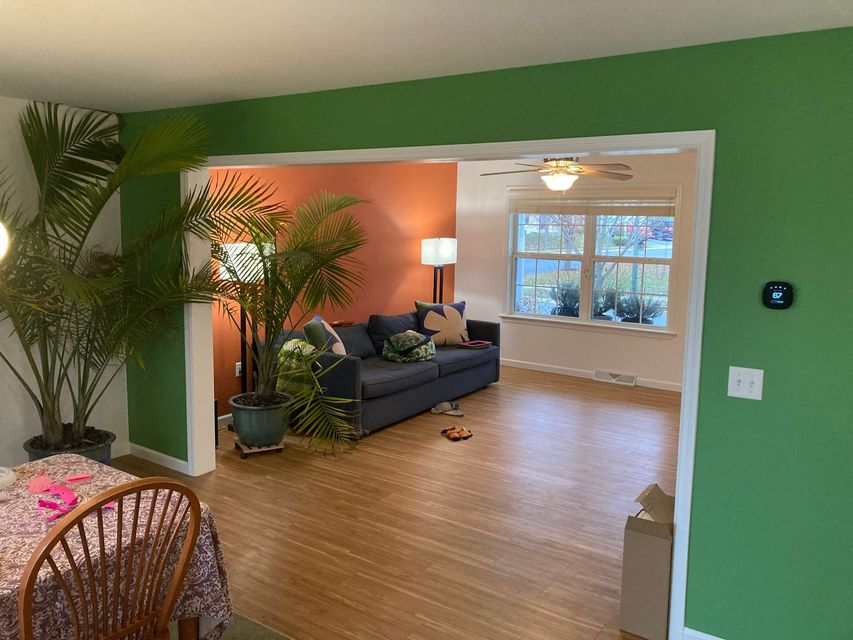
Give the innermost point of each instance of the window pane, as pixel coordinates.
(656, 279)
(603, 303)
(547, 273)
(549, 238)
(608, 235)
(545, 300)
(525, 300)
(573, 238)
(629, 307)
(566, 301)
(570, 273)
(525, 271)
(654, 310)
(566, 296)
(604, 275)
(629, 277)
(528, 237)
(659, 243)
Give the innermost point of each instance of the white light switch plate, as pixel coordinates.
(746, 383)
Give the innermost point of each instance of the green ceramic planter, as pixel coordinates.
(259, 426)
(99, 452)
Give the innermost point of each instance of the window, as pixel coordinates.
(602, 260)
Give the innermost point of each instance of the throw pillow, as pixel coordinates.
(409, 346)
(290, 360)
(381, 328)
(444, 323)
(322, 336)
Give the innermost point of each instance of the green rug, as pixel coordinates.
(242, 628)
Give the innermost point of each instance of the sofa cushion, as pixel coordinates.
(379, 377)
(453, 359)
(356, 340)
(381, 328)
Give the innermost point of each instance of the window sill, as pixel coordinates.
(589, 325)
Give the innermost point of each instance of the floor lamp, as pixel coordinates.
(438, 252)
(245, 266)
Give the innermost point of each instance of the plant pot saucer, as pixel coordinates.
(246, 450)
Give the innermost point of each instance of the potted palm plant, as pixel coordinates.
(282, 267)
(80, 311)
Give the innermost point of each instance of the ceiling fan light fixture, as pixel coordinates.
(559, 181)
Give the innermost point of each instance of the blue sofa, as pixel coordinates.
(384, 392)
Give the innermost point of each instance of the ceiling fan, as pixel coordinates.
(560, 174)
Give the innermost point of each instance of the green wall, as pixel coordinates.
(156, 395)
(770, 550)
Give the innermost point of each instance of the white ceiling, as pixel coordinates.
(128, 55)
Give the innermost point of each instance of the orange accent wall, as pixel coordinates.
(408, 202)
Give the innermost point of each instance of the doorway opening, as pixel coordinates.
(199, 326)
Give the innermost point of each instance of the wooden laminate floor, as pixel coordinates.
(514, 534)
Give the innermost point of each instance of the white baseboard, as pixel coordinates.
(162, 459)
(120, 448)
(584, 373)
(223, 421)
(690, 634)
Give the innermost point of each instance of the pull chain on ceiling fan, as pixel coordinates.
(560, 174)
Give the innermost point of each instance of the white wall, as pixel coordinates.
(482, 228)
(19, 420)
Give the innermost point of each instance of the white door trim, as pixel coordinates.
(199, 330)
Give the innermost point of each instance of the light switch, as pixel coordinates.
(746, 383)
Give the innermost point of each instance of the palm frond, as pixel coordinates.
(171, 145)
(69, 149)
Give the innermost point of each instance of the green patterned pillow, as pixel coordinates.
(289, 358)
(409, 346)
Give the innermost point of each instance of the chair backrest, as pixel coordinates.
(116, 563)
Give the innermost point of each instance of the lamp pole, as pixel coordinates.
(438, 252)
(244, 380)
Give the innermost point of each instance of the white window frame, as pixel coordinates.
(595, 198)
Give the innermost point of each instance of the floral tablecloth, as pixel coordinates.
(205, 592)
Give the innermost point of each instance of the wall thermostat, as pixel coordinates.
(778, 295)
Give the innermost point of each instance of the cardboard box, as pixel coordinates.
(646, 566)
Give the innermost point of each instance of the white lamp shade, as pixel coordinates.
(4, 241)
(438, 251)
(559, 181)
(244, 262)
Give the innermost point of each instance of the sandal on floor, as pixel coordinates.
(447, 408)
(464, 433)
(452, 434)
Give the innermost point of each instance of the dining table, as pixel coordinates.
(203, 609)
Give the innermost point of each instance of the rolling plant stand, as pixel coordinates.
(246, 450)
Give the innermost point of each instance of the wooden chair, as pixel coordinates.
(134, 597)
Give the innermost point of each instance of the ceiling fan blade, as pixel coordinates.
(615, 165)
(524, 164)
(500, 173)
(595, 173)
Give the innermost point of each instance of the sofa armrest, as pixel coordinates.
(340, 376)
(484, 330)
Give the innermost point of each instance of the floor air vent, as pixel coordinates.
(614, 377)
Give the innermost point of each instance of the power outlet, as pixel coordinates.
(238, 369)
(746, 383)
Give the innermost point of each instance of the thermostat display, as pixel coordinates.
(778, 295)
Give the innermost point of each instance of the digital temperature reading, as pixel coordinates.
(778, 295)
